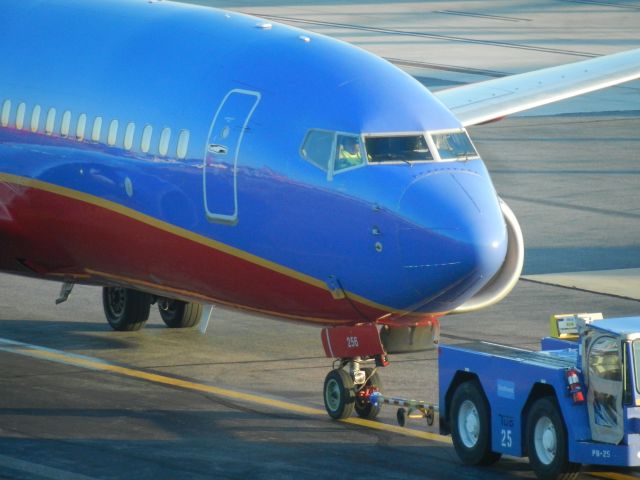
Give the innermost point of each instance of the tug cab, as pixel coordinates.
(610, 357)
(574, 402)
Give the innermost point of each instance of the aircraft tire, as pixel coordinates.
(126, 309)
(471, 425)
(179, 314)
(363, 407)
(546, 439)
(339, 394)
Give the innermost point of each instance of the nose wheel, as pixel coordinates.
(349, 388)
(364, 407)
(339, 394)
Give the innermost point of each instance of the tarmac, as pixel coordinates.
(244, 400)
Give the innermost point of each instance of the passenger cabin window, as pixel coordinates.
(318, 148)
(81, 127)
(65, 125)
(6, 112)
(50, 122)
(128, 136)
(97, 129)
(454, 145)
(146, 139)
(112, 135)
(183, 144)
(20, 113)
(321, 144)
(35, 118)
(165, 137)
(398, 148)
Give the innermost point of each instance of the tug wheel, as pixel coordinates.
(363, 406)
(339, 394)
(470, 425)
(547, 442)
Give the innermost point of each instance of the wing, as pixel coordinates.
(493, 99)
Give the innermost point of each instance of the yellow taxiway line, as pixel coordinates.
(96, 364)
(611, 475)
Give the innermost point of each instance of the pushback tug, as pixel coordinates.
(576, 401)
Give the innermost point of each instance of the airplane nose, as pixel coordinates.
(455, 239)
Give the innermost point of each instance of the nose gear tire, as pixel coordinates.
(363, 406)
(339, 394)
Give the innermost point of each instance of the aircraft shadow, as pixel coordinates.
(64, 335)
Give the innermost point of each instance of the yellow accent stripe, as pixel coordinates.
(180, 232)
(58, 356)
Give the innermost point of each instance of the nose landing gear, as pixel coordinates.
(351, 385)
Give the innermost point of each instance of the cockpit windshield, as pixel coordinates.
(402, 148)
(337, 152)
(454, 145)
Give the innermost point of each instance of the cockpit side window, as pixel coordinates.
(348, 152)
(333, 152)
(318, 148)
(401, 148)
(454, 145)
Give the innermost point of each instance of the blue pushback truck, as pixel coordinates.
(577, 401)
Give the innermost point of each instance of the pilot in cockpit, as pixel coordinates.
(348, 153)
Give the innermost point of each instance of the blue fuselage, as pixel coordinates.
(202, 118)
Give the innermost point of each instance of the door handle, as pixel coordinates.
(219, 149)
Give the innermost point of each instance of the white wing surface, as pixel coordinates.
(493, 99)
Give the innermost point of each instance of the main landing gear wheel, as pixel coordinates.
(179, 314)
(339, 394)
(547, 442)
(470, 425)
(126, 309)
(363, 406)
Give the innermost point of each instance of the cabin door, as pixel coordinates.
(221, 157)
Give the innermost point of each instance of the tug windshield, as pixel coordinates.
(636, 363)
